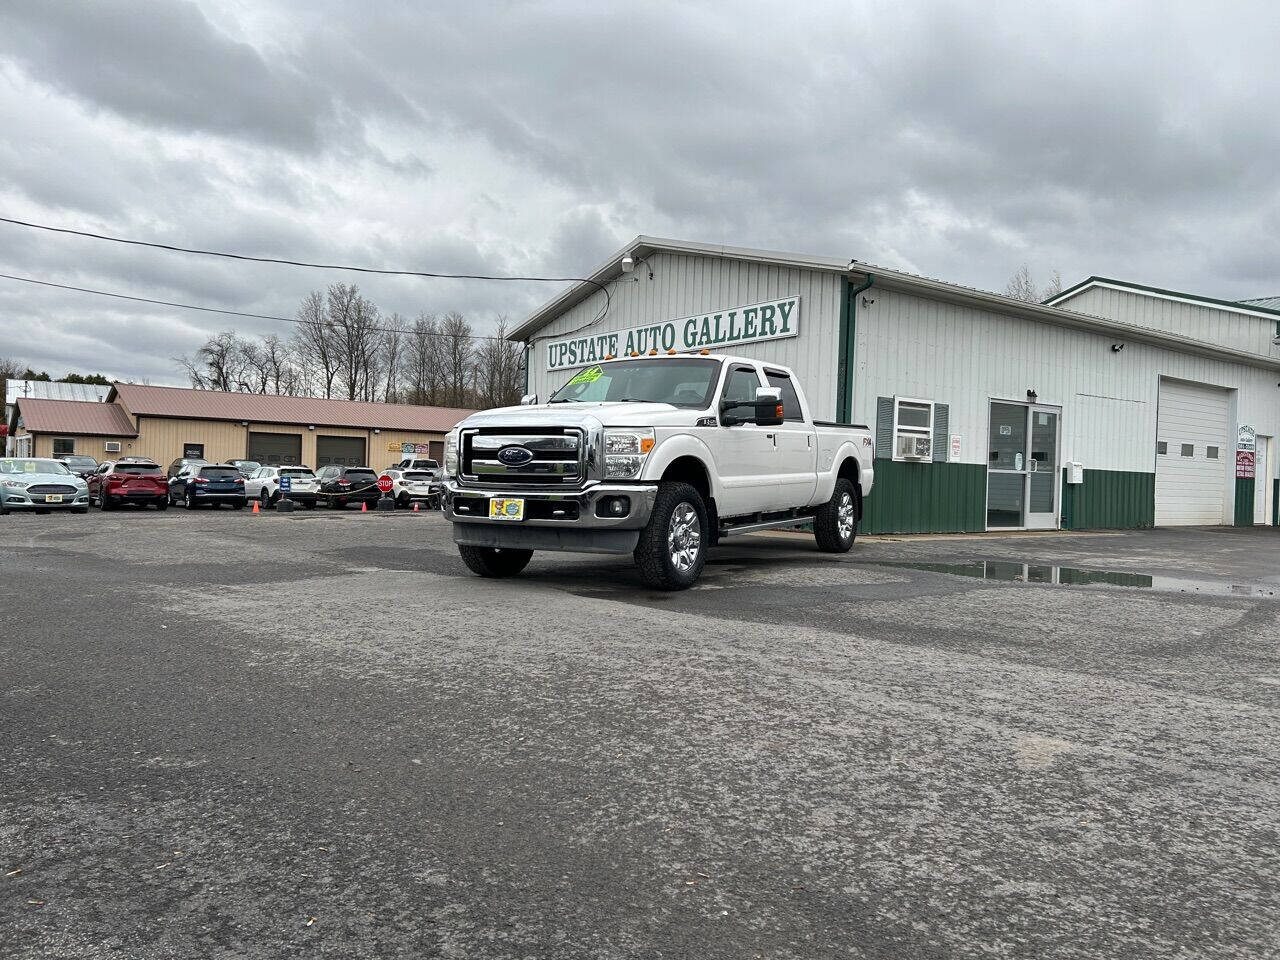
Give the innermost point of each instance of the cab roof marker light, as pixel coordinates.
(653, 351)
(705, 352)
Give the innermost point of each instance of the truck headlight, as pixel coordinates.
(451, 454)
(625, 452)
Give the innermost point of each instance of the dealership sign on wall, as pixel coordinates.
(771, 320)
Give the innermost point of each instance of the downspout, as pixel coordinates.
(848, 347)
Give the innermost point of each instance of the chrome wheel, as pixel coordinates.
(844, 517)
(684, 537)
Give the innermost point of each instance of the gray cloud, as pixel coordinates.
(1127, 139)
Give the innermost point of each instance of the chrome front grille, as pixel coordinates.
(43, 489)
(541, 457)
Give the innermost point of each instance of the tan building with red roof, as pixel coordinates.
(166, 423)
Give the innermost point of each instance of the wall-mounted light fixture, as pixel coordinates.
(244, 423)
(1032, 396)
(376, 431)
(311, 427)
(1117, 347)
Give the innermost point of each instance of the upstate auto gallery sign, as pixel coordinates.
(771, 320)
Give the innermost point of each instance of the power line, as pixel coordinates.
(300, 263)
(231, 313)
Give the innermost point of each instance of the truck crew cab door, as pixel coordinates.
(746, 458)
(797, 453)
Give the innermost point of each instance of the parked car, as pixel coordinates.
(264, 485)
(82, 467)
(129, 481)
(340, 485)
(176, 467)
(246, 467)
(208, 483)
(659, 457)
(30, 483)
(408, 486)
(420, 463)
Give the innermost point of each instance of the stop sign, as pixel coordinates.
(384, 483)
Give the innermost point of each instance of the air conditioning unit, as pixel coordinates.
(112, 446)
(914, 448)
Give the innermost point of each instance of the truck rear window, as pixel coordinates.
(416, 475)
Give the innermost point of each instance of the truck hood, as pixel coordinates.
(578, 414)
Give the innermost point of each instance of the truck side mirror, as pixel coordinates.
(768, 406)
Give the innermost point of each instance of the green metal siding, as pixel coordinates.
(1244, 502)
(926, 498)
(1109, 500)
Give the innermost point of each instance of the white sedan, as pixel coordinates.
(410, 485)
(263, 485)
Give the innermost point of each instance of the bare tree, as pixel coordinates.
(314, 345)
(353, 320)
(392, 348)
(220, 363)
(458, 351)
(1021, 286)
(422, 366)
(497, 376)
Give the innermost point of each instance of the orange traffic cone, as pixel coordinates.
(255, 508)
(415, 506)
(364, 506)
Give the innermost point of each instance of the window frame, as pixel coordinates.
(64, 453)
(1162, 448)
(1192, 454)
(1212, 453)
(800, 414)
(730, 370)
(900, 429)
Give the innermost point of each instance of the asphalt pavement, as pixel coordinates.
(226, 735)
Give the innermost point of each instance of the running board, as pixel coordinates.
(778, 523)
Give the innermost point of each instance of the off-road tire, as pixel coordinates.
(493, 561)
(827, 522)
(653, 554)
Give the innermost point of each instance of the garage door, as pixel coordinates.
(1191, 454)
(348, 451)
(275, 448)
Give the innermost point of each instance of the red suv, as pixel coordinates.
(129, 481)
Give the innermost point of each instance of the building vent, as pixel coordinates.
(112, 446)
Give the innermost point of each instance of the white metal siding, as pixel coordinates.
(685, 285)
(1192, 490)
(1195, 321)
(948, 353)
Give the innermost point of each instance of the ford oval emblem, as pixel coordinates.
(515, 456)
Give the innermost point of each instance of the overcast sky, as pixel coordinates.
(953, 140)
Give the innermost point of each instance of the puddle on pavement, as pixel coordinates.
(1078, 577)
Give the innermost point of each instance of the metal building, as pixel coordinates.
(1116, 405)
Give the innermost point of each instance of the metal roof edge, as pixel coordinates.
(642, 244)
(1234, 306)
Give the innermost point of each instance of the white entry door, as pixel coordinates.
(1192, 450)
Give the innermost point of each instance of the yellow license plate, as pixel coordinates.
(506, 508)
(53, 498)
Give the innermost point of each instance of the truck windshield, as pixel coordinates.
(679, 381)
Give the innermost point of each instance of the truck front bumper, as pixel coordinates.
(572, 520)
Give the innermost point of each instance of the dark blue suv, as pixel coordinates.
(208, 483)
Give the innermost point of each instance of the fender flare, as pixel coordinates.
(675, 447)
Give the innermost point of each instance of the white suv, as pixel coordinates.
(263, 485)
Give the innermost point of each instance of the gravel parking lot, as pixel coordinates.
(318, 736)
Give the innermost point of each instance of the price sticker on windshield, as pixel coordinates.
(589, 375)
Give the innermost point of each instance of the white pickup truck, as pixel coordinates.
(657, 456)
